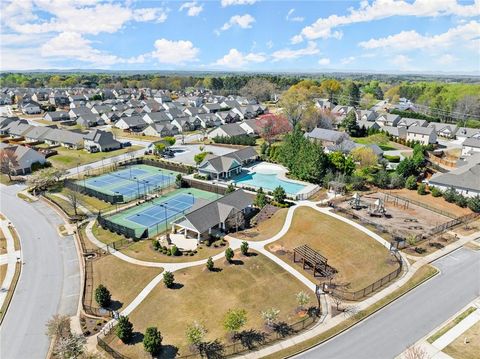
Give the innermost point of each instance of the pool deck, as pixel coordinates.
(281, 172)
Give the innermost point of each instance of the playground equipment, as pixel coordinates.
(397, 201)
(356, 202)
(377, 209)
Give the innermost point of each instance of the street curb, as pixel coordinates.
(360, 321)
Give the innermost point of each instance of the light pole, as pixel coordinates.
(193, 197)
(138, 187)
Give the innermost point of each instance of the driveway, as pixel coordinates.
(390, 331)
(49, 282)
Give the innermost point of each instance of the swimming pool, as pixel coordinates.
(268, 182)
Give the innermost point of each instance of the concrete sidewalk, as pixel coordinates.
(10, 258)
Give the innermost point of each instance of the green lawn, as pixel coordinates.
(451, 324)
(67, 158)
(382, 141)
(205, 296)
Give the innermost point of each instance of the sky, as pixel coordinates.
(434, 36)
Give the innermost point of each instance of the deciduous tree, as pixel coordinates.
(271, 126)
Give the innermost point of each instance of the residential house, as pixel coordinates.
(89, 120)
(228, 116)
(423, 135)
(471, 146)
(326, 137)
(98, 140)
(211, 107)
(446, 130)
(133, 123)
(208, 120)
(5, 99)
(22, 159)
(18, 129)
(395, 132)
(463, 133)
(250, 126)
(37, 133)
(388, 120)
(64, 138)
(366, 115)
(228, 130)
(366, 125)
(323, 104)
(156, 117)
(193, 111)
(79, 111)
(408, 122)
(30, 107)
(56, 116)
(160, 129)
(185, 124)
(464, 179)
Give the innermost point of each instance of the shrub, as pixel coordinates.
(152, 341)
(156, 245)
(103, 296)
(461, 201)
(244, 248)
(393, 159)
(435, 192)
(235, 319)
(210, 264)
(174, 251)
(474, 203)
(229, 254)
(397, 181)
(302, 299)
(411, 183)
(450, 195)
(168, 279)
(422, 189)
(124, 330)
(279, 194)
(195, 333)
(270, 316)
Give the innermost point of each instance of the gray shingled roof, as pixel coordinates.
(465, 177)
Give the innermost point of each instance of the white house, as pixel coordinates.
(423, 135)
(471, 146)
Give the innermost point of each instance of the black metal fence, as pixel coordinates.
(236, 348)
(455, 222)
(390, 197)
(110, 198)
(104, 222)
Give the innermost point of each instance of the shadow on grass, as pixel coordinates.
(236, 262)
(115, 305)
(250, 254)
(167, 352)
(177, 286)
(137, 337)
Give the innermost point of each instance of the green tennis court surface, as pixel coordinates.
(131, 182)
(154, 216)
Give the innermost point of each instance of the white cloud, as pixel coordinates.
(71, 45)
(402, 62)
(288, 53)
(447, 59)
(347, 60)
(269, 44)
(243, 21)
(236, 59)
(381, 9)
(174, 52)
(324, 61)
(84, 17)
(193, 9)
(226, 3)
(412, 40)
(289, 16)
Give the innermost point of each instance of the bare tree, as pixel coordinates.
(350, 311)
(337, 301)
(71, 346)
(8, 159)
(415, 352)
(58, 326)
(73, 199)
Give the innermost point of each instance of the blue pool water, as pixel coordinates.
(268, 182)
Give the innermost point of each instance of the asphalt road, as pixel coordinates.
(391, 330)
(50, 279)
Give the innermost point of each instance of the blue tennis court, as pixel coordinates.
(132, 182)
(160, 212)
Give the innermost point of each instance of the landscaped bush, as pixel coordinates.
(435, 192)
(474, 203)
(450, 195)
(420, 250)
(422, 189)
(235, 140)
(394, 159)
(461, 201)
(411, 183)
(200, 177)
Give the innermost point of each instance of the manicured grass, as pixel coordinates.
(93, 204)
(471, 350)
(24, 197)
(3, 243)
(206, 296)
(3, 273)
(124, 280)
(104, 235)
(386, 146)
(16, 239)
(119, 133)
(451, 324)
(436, 202)
(421, 275)
(359, 259)
(65, 205)
(143, 250)
(265, 229)
(13, 285)
(67, 158)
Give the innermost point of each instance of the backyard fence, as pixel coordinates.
(232, 349)
(359, 294)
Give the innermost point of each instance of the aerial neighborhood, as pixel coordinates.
(240, 179)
